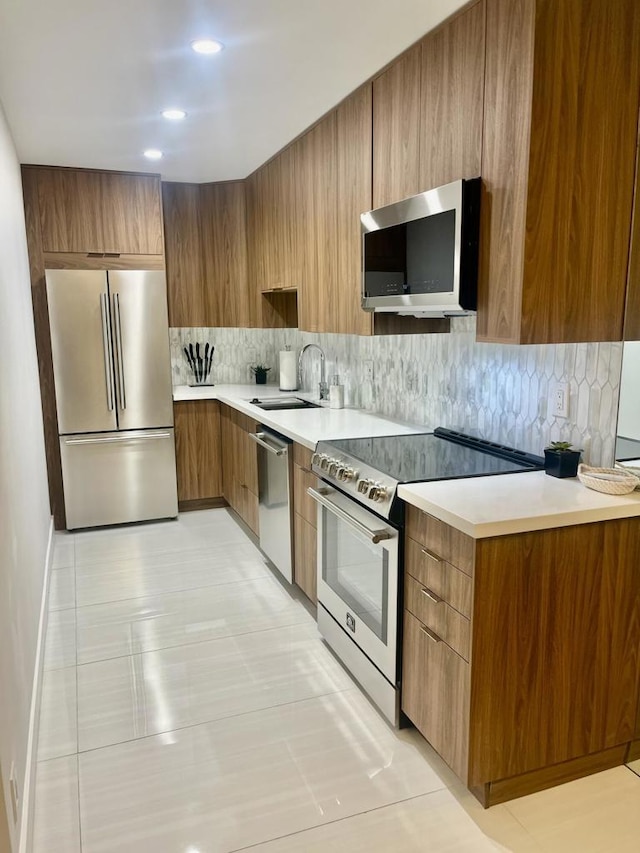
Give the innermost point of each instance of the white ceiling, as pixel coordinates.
(83, 81)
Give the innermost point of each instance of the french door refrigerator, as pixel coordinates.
(112, 370)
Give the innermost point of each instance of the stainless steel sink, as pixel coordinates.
(281, 404)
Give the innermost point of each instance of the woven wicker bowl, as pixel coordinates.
(611, 481)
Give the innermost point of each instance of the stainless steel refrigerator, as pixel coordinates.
(112, 369)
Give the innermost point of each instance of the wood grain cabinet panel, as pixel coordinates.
(198, 449)
(71, 210)
(397, 130)
(559, 148)
(239, 466)
(186, 292)
(303, 504)
(132, 218)
(554, 677)
(435, 693)
(451, 93)
(445, 623)
(89, 211)
(354, 152)
(441, 540)
(223, 235)
(439, 577)
(305, 560)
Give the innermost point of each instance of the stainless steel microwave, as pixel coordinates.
(420, 255)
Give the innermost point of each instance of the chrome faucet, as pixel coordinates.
(323, 388)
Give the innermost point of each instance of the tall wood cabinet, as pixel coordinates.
(520, 652)
(82, 219)
(559, 151)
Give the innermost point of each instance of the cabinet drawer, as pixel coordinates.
(303, 504)
(441, 539)
(454, 586)
(435, 694)
(443, 621)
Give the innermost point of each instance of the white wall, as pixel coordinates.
(24, 498)
(629, 416)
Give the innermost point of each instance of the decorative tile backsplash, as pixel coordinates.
(448, 380)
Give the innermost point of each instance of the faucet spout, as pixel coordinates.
(323, 388)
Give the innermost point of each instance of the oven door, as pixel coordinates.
(358, 575)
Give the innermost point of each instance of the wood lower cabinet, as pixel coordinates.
(549, 687)
(239, 465)
(198, 453)
(305, 521)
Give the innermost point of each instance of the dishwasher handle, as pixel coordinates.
(278, 450)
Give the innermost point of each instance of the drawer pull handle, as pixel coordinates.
(431, 595)
(431, 555)
(433, 637)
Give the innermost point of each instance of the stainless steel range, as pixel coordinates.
(360, 542)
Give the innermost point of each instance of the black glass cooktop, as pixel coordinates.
(442, 455)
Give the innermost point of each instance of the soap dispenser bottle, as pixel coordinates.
(336, 393)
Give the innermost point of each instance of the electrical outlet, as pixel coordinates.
(560, 400)
(368, 370)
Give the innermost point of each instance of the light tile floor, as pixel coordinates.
(189, 706)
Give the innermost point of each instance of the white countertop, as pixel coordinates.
(516, 503)
(306, 426)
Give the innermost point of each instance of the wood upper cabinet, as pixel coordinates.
(451, 100)
(206, 253)
(353, 162)
(549, 688)
(198, 450)
(427, 111)
(87, 211)
(332, 165)
(223, 234)
(559, 149)
(397, 130)
(186, 292)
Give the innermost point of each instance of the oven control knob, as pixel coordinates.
(315, 459)
(363, 486)
(377, 492)
(346, 474)
(333, 467)
(324, 461)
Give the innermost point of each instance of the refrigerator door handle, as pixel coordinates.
(107, 349)
(116, 311)
(115, 438)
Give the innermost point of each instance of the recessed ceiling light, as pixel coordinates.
(206, 46)
(153, 154)
(174, 115)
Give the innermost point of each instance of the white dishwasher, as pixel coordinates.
(274, 497)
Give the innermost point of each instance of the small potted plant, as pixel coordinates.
(561, 460)
(260, 372)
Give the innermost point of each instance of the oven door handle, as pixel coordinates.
(320, 496)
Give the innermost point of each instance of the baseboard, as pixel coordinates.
(25, 837)
(201, 503)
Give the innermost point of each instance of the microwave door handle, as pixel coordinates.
(375, 536)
